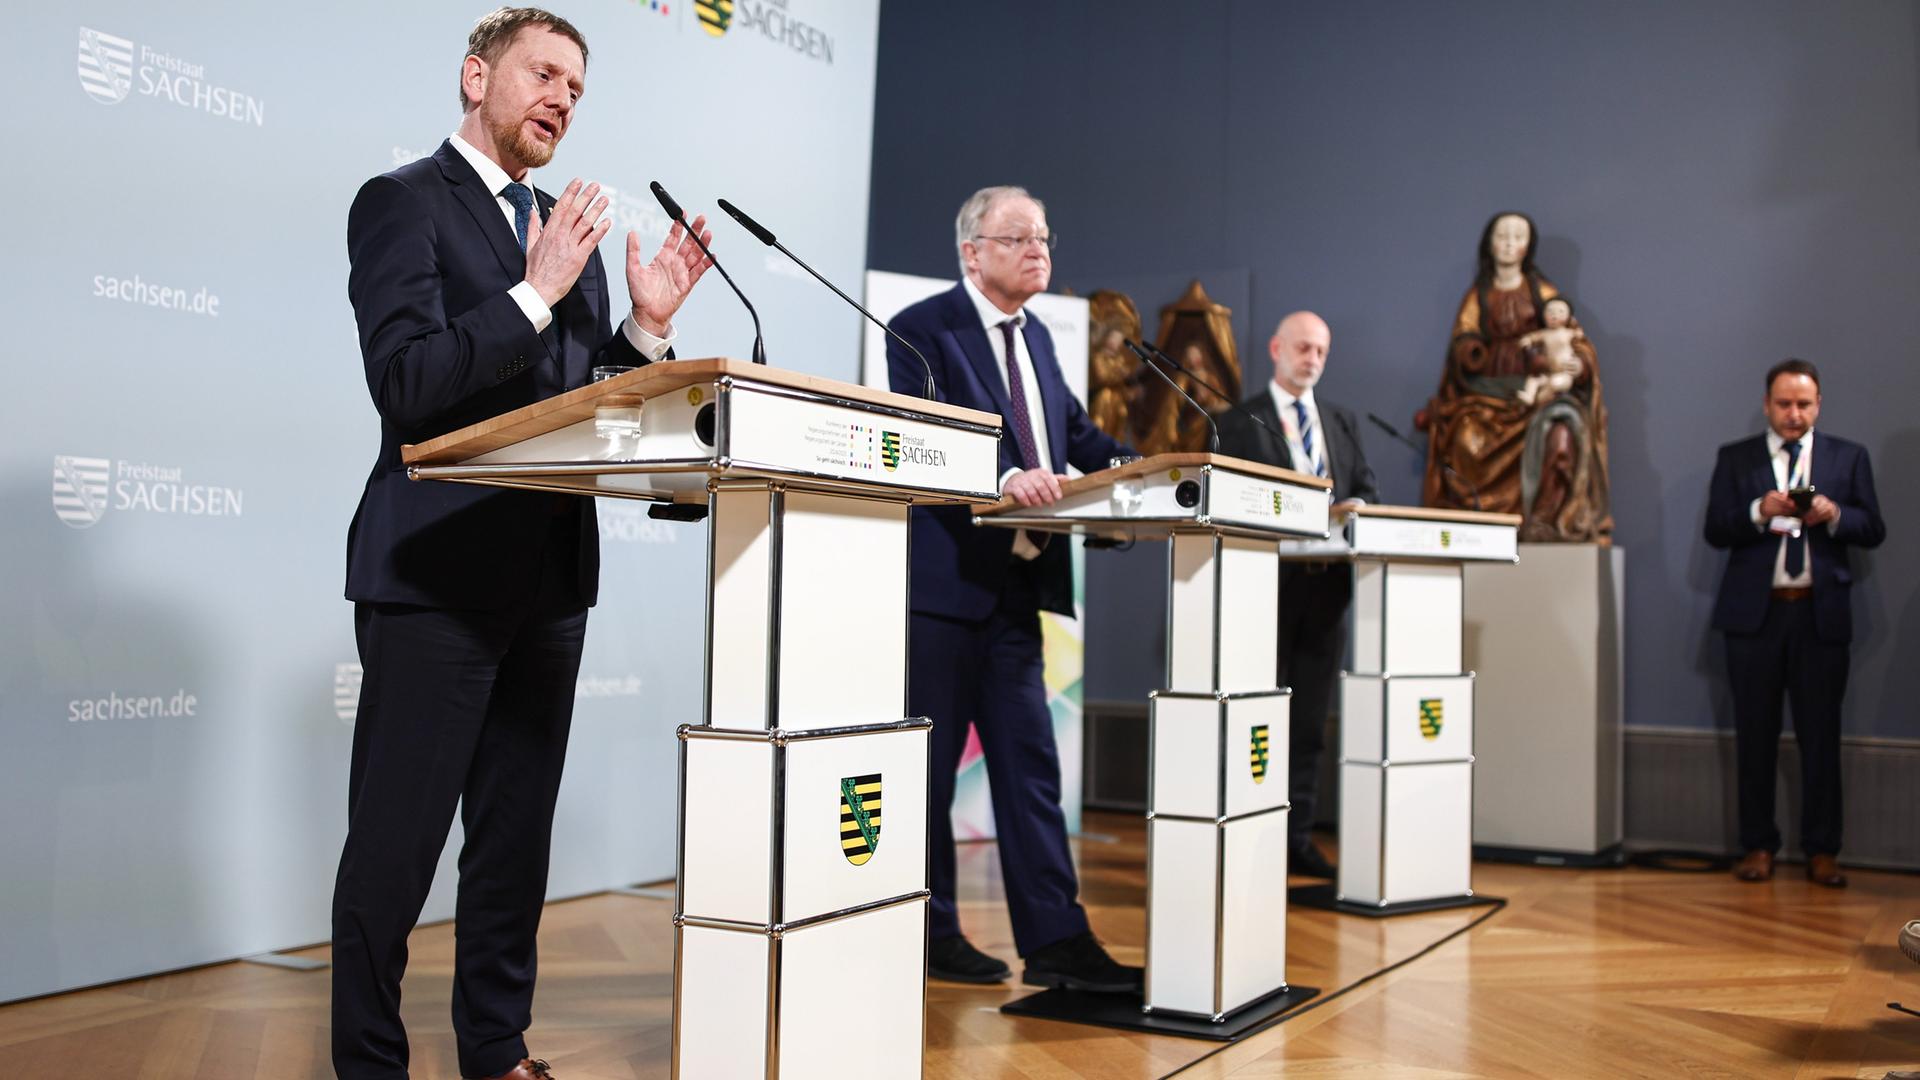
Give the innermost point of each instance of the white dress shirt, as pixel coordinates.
(991, 317)
(1802, 476)
(496, 179)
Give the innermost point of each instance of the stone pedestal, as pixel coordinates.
(1546, 639)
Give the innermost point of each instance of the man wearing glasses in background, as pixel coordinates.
(977, 593)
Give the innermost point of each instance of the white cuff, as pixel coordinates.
(536, 309)
(1008, 475)
(1753, 512)
(653, 348)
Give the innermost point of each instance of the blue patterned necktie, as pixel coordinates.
(1796, 545)
(522, 201)
(1315, 464)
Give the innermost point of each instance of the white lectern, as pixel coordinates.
(1217, 818)
(1406, 707)
(800, 903)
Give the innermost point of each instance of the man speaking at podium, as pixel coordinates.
(977, 593)
(1297, 431)
(1790, 504)
(470, 603)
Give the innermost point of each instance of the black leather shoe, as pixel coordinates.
(1308, 862)
(1079, 963)
(956, 960)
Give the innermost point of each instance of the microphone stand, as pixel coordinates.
(1214, 444)
(1216, 391)
(1438, 459)
(762, 234)
(673, 211)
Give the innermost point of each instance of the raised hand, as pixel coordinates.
(659, 287)
(557, 252)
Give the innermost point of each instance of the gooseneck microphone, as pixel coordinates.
(761, 233)
(1216, 391)
(1417, 448)
(673, 211)
(1214, 443)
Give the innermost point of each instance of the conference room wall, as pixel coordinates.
(1718, 186)
(142, 836)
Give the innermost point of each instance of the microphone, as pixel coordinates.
(673, 211)
(1451, 471)
(1214, 444)
(1205, 385)
(761, 234)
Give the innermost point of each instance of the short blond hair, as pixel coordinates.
(497, 29)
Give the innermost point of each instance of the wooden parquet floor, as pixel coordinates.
(1622, 973)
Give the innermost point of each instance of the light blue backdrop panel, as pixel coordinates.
(188, 428)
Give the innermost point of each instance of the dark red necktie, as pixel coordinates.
(1017, 404)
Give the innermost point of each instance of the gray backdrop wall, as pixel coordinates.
(187, 428)
(1718, 185)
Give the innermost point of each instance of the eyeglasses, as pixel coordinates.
(1050, 241)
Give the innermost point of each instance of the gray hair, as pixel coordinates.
(966, 225)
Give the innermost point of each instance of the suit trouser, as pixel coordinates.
(1786, 659)
(987, 675)
(467, 708)
(1314, 598)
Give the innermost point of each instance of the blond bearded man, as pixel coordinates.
(474, 295)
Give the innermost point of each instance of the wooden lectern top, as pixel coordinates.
(1429, 513)
(656, 380)
(1158, 463)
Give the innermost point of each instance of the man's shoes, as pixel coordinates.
(1910, 940)
(528, 1069)
(1308, 862)
(956, 960)
(1825, 870)
(1757, 866)
(1079, 963)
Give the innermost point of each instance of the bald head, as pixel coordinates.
(1299, 348)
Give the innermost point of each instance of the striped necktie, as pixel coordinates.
(1317, 464)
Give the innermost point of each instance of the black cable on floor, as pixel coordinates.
(1323, 999)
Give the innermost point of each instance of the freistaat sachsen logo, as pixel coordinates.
(890, 450)
(80, 489)
(106, 66)
(859, 817)
(714, 15)
(1432, 717)
(1259, 740)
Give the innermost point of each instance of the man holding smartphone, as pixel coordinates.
(1789, 505)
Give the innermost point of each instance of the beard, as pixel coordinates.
(509, 135)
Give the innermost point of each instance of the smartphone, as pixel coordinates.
(1802, 499)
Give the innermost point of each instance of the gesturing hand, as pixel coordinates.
(557, 252)
(658, 288)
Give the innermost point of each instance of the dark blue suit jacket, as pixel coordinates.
(1743, 473)
(959, 568)
(445, 346)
